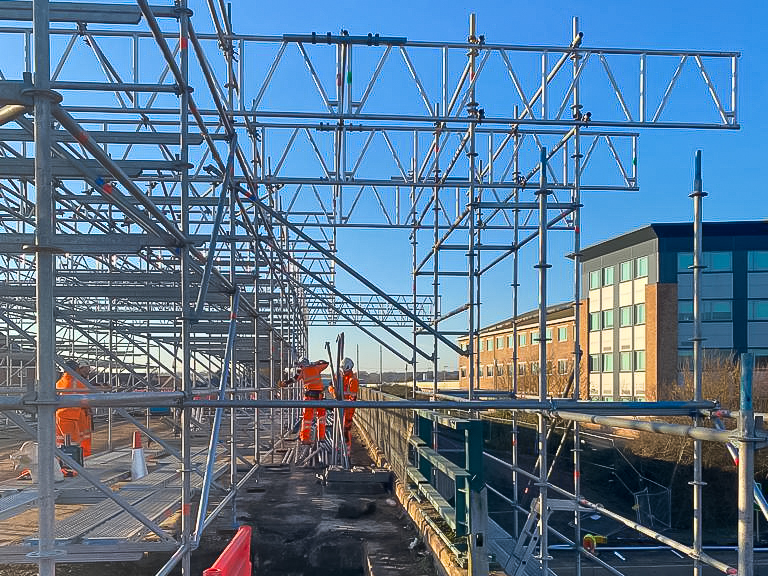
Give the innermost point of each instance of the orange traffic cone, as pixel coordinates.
(138, 463)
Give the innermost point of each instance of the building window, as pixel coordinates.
(625, 361)
(716, 310)
(562, 334)
(594, 321)
(521, 369)
(718, 261)
(625, 271)
(625, 316)
(712, 261)
(607, 319)
(489, 344)
(761, 359)
(711, 311)
(685, 311)
(499, 342)
(594, 362)
(639, 313)
(639, 360)
(757, 310)
(549, 334)
(641, 267)
(594, 280)
(534, 367)
(489, 370)
(684, 261)
(510, 369)
(550, 366)
(521, 339)
(757, 260)
(499, 369)
(562, 367)
(463, 372)
(608, 362)
(534, 337)
(608, 276)
(510, 341)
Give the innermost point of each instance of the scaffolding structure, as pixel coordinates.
(190, 218)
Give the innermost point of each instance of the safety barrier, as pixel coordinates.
(456, 492)
(235, 560)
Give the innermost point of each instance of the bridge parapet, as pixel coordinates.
(455, 491)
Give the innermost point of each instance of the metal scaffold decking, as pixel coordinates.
(189, 224)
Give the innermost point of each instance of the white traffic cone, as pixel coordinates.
(138, 463)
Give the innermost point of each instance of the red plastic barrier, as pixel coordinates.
(236, 558)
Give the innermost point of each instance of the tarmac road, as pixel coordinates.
(648, 562)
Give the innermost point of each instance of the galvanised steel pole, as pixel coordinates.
(515, 265)
(746, 469)
(186, 293)
(233, 252)
(542, 423)
(698, 194)
(45, 218)
(256, 354)
(474, 355)
(576, 199)
(436, 253)
(415, 238)
(515, 348)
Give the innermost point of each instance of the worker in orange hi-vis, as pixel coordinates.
(73, 421)
(350, 387)
(309, 376)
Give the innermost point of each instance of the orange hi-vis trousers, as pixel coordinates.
(76, 423)
(305, 435)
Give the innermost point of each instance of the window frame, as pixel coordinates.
(630, 319)
(560, 331)
(755, 261)
(638, 361)
(753, 306)
(625, 361)
(608, 363)
(638, 320)
(595, 279)
(641, 267)
(625, 271)
(608, 275)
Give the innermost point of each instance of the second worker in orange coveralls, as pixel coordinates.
(350, 387)
(74, 422)
(309, 376)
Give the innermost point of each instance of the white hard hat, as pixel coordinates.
(347, 365)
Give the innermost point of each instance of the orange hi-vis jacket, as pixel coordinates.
(351, 386)
(310, 375)
(68, 384)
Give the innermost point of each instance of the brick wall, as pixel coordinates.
(556, 350)
(661, 340)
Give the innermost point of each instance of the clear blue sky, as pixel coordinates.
(732, 160)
